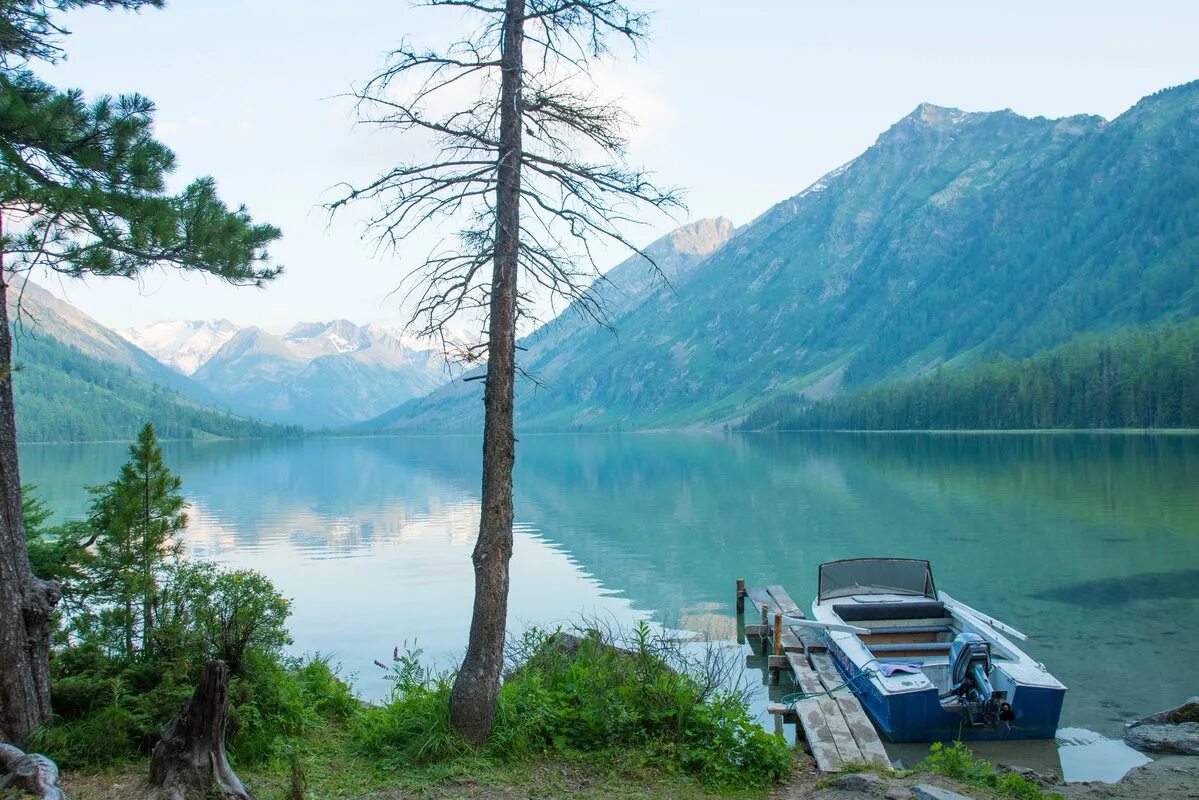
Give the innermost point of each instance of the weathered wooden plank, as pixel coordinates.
(791, 642)
(787, 712)
(867, 738)
(761, 599)
(807, 680)
(811, 640)
(818, 736)
(783, 600)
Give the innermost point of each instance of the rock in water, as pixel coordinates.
(1187, 712)
(1182, 739)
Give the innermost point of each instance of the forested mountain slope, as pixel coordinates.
(1143, 377)
(76, 380)
(551, 351)
(955, 236)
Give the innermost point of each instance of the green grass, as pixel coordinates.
(335, 769)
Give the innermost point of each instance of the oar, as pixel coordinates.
(830, 626)
(981, 617)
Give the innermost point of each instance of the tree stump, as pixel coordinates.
(190, 756)
(33, 773)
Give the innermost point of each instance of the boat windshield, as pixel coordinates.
(876, 576)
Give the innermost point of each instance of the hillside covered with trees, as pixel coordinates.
(1135, 378)
(64, 395)
(957, 236)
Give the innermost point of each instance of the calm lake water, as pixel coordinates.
(1088, 543)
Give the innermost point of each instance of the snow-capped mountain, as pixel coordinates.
(321, 374)
(182, 344)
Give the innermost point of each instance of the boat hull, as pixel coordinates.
(918, 716)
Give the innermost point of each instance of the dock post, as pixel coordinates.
(741, 595)
(777, 638)
(765, 628)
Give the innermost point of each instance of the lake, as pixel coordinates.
(1087, 543)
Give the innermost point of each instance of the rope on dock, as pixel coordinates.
(795, 697)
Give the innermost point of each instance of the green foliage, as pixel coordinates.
(590, 696)
(216, 613)
(63, 395)
(112, 694)
(958, 762)
(137, 518)
(1134, 378)
(57, 553)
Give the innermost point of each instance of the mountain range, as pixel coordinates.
(76, 380)
(320, 374)
(956, 236)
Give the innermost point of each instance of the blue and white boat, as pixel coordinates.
(925, 666)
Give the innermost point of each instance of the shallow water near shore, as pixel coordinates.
(1088, 543)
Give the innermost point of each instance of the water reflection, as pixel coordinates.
(1087, 543)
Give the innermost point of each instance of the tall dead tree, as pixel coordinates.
(530, 173)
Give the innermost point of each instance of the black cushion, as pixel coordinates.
(917, 609)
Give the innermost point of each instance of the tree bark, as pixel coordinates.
(473, 698)
(32, 773)
(190, 756)
(26, 602)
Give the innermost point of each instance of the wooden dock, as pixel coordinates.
(830, 718)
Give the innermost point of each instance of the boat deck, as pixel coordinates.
(829, 717)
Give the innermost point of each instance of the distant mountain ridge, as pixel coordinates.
(184, 345)
(574, 334)
(320, 374)
(955, 236)
(76, 380)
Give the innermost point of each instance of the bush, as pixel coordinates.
(959, 762)
(601, 692)
(209, 613)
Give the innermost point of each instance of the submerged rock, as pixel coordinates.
(1187, 712)
(1173, 731)
(1182, 739)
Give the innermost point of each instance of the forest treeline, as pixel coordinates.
(64, 395)
(1140, 377)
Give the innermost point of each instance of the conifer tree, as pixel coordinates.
(138, 518)
(533, 168)
(82, 192)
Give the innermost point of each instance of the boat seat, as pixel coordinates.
(911, 629)
(919, 609)
(910, 647)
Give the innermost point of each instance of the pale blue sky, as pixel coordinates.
(742, 103)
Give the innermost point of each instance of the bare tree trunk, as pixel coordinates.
(190, 756)
(32, 773)
(26, 602)
(473, 699)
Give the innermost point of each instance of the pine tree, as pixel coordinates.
(138, 517)
(511, 165)
(84, 183)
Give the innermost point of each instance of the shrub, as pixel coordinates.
(959, 762)
(603, 691)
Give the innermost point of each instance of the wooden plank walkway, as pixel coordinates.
(833, 722)
(867, 738)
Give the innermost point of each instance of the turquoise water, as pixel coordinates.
(1088, 543)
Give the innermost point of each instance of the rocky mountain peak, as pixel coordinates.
(703, 236)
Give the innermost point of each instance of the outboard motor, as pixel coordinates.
(970, 681)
